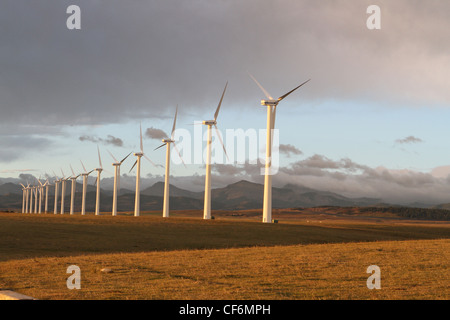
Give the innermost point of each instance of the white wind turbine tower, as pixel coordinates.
(83, 198)
(46, 185)
(116, 166)
(63, 190)
(137, 201)
(271, 105)
(99, 171)
(24, 190)
(57, 181)
(36, 198)
(27, 188)
(40, 191)
(31, 199)
(72, 194)
(167, 142)
(27, 200)
(210, 123)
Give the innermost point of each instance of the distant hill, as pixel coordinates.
(158, 190)
(9, 187)
(241, 195)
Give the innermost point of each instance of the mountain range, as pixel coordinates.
(241, 195)
(237, 196)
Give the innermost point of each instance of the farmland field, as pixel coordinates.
(306, 256)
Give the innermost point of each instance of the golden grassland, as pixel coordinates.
(186, 258)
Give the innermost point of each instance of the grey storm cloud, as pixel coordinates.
(13, 147)
(410, 139)
(154, 133)
(110, 140)
(288, 150)
(138, 59)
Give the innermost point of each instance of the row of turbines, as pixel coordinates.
(37, 194)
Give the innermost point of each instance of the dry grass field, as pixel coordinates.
(188, 258)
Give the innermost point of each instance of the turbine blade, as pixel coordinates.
(133, 166)
(112, 155)
(178, 152)
(148, 159)
(220, 139)
(99, 158)
(83, 166)
(285, 95)
(125, 158)
(174, 122)
(160, 146)
(220, 102)
(268, 96)
(142, 145)
(73, 173)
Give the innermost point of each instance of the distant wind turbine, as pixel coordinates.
(40, 190)
(31, 199)
(99, 171)
(137, 201)
(24, 190)
(83, 197)
(57, 181)
(167, 142)
(210, 123)
(63, 190)
(271, 104)
(27, 192)
(35, 199)
(116, 166)
(46, 185)
(73, 191)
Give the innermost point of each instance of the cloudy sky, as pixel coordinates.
(373, 120)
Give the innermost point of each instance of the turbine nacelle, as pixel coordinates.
(139, 154)
(269, 102)
(209, 122)
(167, 140)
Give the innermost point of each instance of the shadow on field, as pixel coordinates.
(27, 236)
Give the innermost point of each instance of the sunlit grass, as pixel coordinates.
(414, 269)
(189, 258)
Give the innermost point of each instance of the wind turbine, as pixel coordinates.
(167, 142)
(116, 166)
(99, 171)
(24, 190)
(46, 185)
(36, 198)
(74, 185)
(210, 123)
(271, 105)
(63, 190)
(83, 198)
(57, 181)
(40, 190)
(137, 201)
(31, 199)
